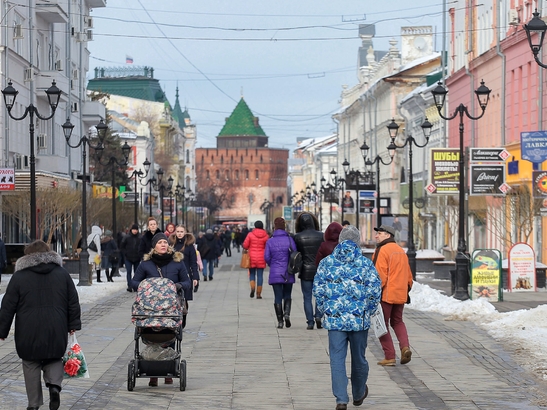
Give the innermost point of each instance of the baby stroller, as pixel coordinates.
(157, 315)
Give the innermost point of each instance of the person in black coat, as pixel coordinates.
(146, 238)
(162, 258)
(130, 250)
(308, 239)
(184, 243)
(42, 297)
(209, 248)
(110, 255)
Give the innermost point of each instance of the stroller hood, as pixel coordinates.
(157, 304)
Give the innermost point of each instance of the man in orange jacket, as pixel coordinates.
(392, 265)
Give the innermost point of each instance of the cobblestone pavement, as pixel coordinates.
(238, 359)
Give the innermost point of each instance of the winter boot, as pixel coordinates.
(108, 277)
(259, 292)
(252, 289)
(279, 315)
(99, 275)
(287, 311)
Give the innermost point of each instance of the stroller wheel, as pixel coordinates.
(182, 375)
(131, 375)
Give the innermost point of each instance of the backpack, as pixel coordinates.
(295, 261)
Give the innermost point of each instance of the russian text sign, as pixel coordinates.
(486, 275)
(533, 146)
(522, 268)
(444, 171)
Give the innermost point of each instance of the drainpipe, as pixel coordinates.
(504, 76)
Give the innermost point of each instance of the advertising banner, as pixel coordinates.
(533, 146)
(287, 213)
(488, 180)
(489, 154)
(539, 184)
(521, 275)
(7, 179)
(444, 171)
(486, 275)
(367, 202)
(100, 191)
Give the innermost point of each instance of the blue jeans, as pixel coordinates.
(211, 264)
(282, 291)
(259, 273)
(307, 286)
(338, 349)
(130, 267)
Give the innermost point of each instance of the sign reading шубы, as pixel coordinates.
(444, 171)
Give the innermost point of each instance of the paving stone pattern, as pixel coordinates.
(238, 359)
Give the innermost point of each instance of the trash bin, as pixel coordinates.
(540, 277)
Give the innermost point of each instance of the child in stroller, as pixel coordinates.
(157, 315)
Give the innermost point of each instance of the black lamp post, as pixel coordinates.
(368, 165)
(393, 128)
(151, 183)
(337, 185)
(163, 189)
(535, 31)
(177, 195)
(113, 162)
(462, 259)
(139, 175)
(53, 95)
(84, 279)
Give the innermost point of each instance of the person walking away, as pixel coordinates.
(3, 257)
(183, 242)
(121, 259)
(330, 241)
(235, 238)
(209, 249)
(392, 264)
(95, 255)
(146, 239)
(227, 242)
(255, 243)
(162, 261)
(276, 255)
(43, 299)
(109, 258)
(346, 282)
(308, 239)
(130, 250)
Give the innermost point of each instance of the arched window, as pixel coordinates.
(217, 174)
(261, 159)
(187, 156)
(237, 174)
(207, 175)
(247, 174)
(256, 174)
(242, 159)
(227, 173)
(222, 159)
(202, 159)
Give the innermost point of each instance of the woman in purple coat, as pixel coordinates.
(276, 255)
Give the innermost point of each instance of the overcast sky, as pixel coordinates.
(288, 59)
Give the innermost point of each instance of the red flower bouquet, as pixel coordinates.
(74, 361)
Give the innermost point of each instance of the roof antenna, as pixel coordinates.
(242, 92)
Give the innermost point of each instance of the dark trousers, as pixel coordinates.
(32, 371)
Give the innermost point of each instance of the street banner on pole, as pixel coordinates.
(539, 184)
(488, 180)
(486, 275)
(521, 275)
(444, 171)
(7, 179)
(287, 213)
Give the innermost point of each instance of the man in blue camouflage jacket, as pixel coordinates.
(347, 289)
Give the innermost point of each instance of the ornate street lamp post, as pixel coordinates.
(535, 31)
(53, 95)
(393, 128)
(84, 277)
(139, 175)
(462, 258)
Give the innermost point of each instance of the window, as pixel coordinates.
(222, 159)
(227, 173)
(207, 175)
(237, 174)
(217, 174)
(187, 156)
(256, 174)
(242, 159)
(261, 159)
(247, 174)
(202, 159)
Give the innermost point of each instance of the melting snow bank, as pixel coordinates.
(526, 329)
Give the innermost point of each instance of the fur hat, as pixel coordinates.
(279, 223)
(350, 233)
(158, 237)
(259, 225)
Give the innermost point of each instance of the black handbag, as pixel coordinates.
(93, 246)
(295, 261)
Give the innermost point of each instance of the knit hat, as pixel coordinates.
(158, 237)
(259, 225)
(385, 228)
(279, 223)
(135, 226)
(350, 233)
(209, 231)
(108, 233)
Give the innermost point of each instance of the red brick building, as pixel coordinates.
(242, 174)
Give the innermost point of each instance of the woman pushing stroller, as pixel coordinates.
(162, 261)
